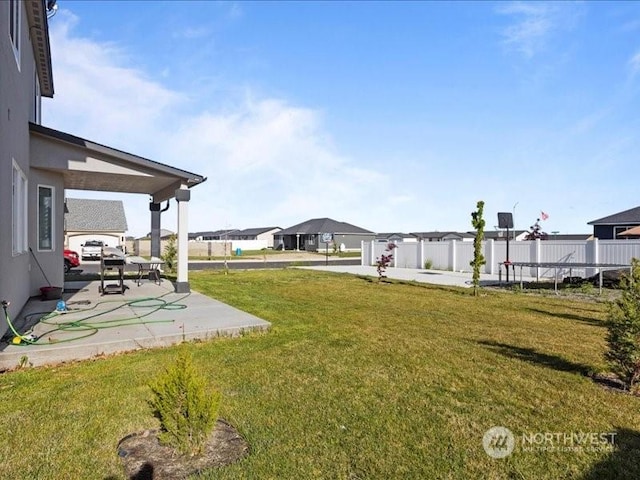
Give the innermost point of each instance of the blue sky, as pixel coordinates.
(392, 116)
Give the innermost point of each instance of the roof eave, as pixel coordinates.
(190, 179)
(39, 36)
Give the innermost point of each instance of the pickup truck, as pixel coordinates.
(92, 249)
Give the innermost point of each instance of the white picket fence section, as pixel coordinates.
(456, 256)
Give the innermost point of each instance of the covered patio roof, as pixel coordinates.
(86, 165)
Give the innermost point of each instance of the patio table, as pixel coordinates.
(150, 267)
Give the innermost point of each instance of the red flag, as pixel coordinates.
(543, 215)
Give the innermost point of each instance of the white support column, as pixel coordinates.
(373, 253)
(422, 259)
(182, 197)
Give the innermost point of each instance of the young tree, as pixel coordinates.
(623, 337)
(385, 260)
(170, 256)
(478, 258)
(536, 232)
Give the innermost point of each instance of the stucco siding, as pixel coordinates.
(50, 261)
(16, 91)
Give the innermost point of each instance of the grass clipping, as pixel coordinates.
(187, 409)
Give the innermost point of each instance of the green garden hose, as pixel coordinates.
(90, 325)
(27, 339)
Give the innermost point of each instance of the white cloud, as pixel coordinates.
(267, 161)
(193, 33)
(634, 64)
(535, 23)
(97, 94)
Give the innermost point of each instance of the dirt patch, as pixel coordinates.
(145, 458)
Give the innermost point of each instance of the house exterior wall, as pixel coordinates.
(268, 236)
(607, 232)
(313, 242)
(17, 89)
(603, 232)
(352, 241)
(51, 261)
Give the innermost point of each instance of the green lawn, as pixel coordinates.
(355, 380)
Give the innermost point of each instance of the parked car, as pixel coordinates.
(92, 249)
(71, 260)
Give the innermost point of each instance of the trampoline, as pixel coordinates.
(562, 266)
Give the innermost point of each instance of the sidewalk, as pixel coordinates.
(436, 277)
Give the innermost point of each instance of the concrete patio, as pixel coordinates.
(146, 316)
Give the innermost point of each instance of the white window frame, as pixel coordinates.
(15, 27)
(618, 229)
(19, 210)
(52, 220)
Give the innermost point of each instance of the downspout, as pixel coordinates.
(155, 227)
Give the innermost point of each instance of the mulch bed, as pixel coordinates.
(145, 458)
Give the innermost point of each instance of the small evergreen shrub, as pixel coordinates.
(623, 336)
(170, 255)
(187, 410)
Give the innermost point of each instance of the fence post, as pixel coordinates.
(592, 256)
(452, 255)
(396, 254)
(421, 265)
(373, 253)
(537, 256)
(489, 254)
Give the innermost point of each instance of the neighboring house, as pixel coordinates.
(569, 236)
(38, 163)
(443, 236)
(261, 233)
(102, 220)
(501, 235)
(208, 236)
(609, 228)
(164, 234)
(308, 235)
(396, 237)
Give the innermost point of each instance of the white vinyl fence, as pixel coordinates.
(454, 255)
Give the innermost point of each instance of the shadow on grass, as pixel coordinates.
(145, 473)
(454, 289)
(530, 355)
(623, 462)
(570, 316)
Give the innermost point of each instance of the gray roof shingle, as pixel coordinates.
(85, 215)
(254, 231)
(631, 216)
(323, 225)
